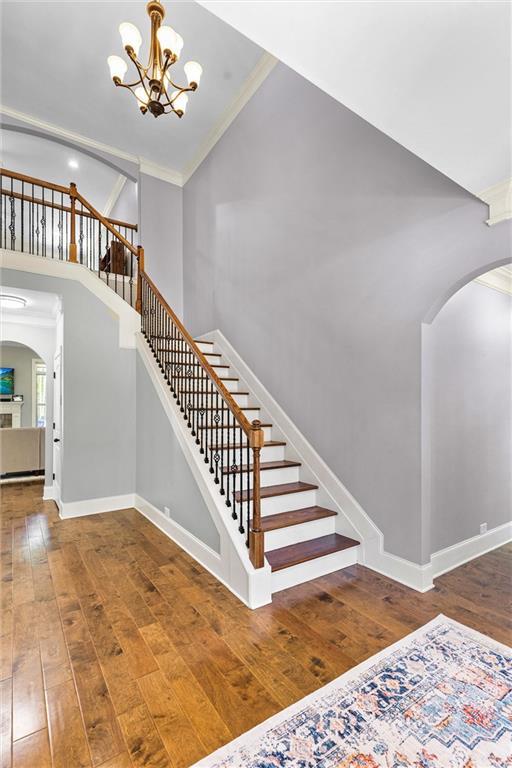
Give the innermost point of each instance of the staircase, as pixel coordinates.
(297, 529)
(264, 486)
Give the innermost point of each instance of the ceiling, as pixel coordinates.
(67, 83)
(435, 76)
(41, 307)
(49, 160)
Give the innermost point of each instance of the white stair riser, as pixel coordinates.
(287, 502)
(297, 533)
(208, 415)
(313, 569)
(210, 401)
(207, 348)
(268, 453)
(223, 434)
(272, 477)
(181, 385)
(182, 368)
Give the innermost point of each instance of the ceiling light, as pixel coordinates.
(73, 163)
(150, 89)
(11, 302)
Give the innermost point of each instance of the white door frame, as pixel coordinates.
(57, 426)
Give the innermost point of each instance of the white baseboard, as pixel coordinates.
(69, 509)
(451, 557)
(196, 548)
(48, 493)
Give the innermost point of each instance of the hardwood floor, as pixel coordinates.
(118, 650)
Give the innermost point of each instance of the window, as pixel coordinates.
(39, 393)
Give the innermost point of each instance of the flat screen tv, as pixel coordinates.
(6, 381)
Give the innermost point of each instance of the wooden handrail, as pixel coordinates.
(33, 180)
(233, 406)
(106, 224)
(65, 208)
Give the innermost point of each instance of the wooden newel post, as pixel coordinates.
(256, 535)
(72, 223)
(140, 270)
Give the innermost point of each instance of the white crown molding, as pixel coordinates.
(260, 72)
(159, 172)
(114, 194)
(499, 279)
(258, 75)
(150, 168)
(499, 200)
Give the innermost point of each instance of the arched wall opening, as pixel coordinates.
(111, 187)
(26, 408)
(38, 327)
(466, 411)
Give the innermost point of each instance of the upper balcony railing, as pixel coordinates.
(56, 222)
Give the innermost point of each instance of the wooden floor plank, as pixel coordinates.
(5, 723)
(121, 651)
(32, 751)
(67, 736)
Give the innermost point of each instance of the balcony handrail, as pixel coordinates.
(65, 208)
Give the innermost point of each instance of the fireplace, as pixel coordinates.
(10, 413)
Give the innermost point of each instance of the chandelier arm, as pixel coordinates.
(184, 89)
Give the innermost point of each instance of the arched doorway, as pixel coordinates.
(467, 412)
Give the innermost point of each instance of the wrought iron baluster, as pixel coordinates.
(248, 484)
(12, 225)
(224, 430)
(216, 419)
(241, 506)
(43, 224)
(53, 224)
(81, 235)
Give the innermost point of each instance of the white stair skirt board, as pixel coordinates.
(129, 319)
(235, 571)
(313, 569)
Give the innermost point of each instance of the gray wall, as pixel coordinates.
(20, 358)
(318, 245)
(99, 393)
(163, 476)
(161, 225)
(471, 413)
(126, 207)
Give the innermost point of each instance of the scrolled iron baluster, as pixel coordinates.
(43, 224)
(216, 421)
(12, 225)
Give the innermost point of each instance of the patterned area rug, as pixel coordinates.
(439, 698)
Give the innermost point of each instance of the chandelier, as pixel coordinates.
(154, 88)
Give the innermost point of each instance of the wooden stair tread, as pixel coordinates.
(294, 554)
(264, 466)
(295, 517)
(267, 444)
(269, 491)
(200, 341)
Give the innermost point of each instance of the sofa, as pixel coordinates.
(21, 450)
